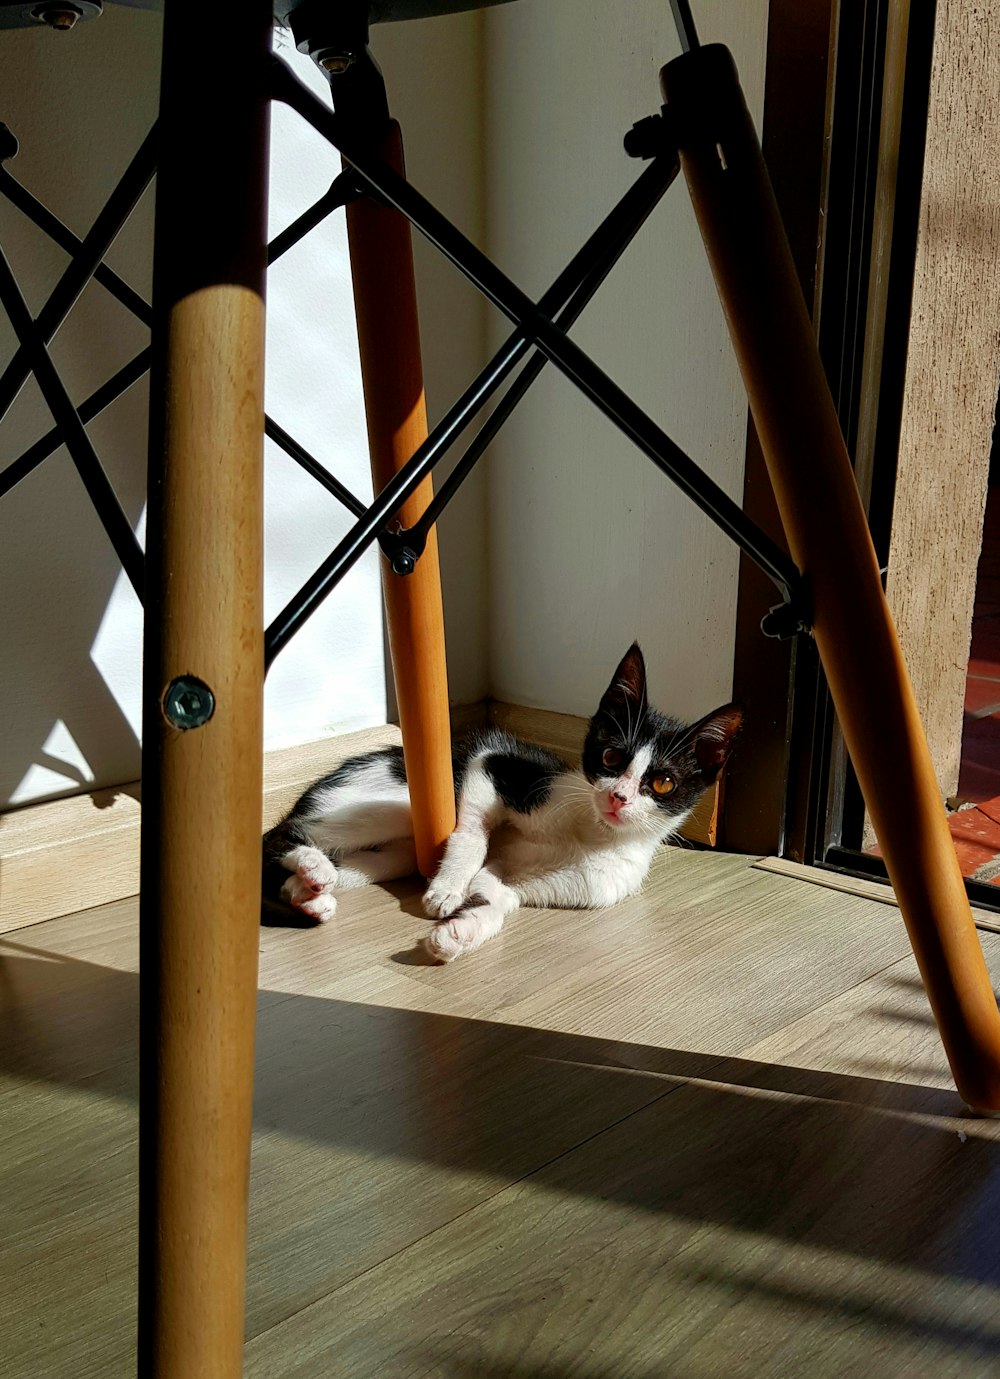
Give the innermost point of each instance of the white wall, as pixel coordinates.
(70, 626)
(80, 103)
(331, 676)
(557, 554)
(589, 545)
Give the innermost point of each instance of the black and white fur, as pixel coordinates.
(530, 831)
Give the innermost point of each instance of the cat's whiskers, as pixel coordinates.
(679, 740)
(569, 805)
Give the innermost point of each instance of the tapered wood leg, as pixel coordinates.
(829, 540)
(389, 340)
(203, 693)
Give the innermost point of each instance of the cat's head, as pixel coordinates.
(648, 771)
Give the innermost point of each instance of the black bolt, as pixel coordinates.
(645, 138)
(404, 562)
(188, 702)
(782, 621)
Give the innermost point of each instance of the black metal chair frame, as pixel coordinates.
(540, 332)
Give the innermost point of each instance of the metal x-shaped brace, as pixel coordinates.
(32, 355)
(540, 328)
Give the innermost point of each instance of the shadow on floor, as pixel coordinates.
(851, 1163)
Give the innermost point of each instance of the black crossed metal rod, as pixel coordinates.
(50, 223)
(72, 429)
(535, 328)
(341, 190)
(313, 467)
(91, 407)
(82, 267)
(684, 24)
(578, 281)
(605, 247)
(542, 331)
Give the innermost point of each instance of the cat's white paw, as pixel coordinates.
(309, 887)
(320, 907)
(314, 869)
(445, 944)
(442, 899)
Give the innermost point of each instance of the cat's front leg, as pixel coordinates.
(580, 887)
(481, 918)
(466, 849)
(463, 856)
(310, 886)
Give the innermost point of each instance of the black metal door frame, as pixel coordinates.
(879, 76)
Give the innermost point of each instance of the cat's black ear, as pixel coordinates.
(713, 739)
(628, 683)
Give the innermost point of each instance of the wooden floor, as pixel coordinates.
(710, 1132)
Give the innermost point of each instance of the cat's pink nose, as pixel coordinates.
(618, 798)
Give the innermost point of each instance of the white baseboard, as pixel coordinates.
(72, 854)
(68, 855)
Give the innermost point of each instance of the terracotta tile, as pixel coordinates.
(972, 855)
(989, 672)
(984, 668)
(975, 827)
(979, 775)
(982, 697)
(978, 780)
(976, 838)
(982, 733)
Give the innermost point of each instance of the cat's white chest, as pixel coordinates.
(580, 872)
(519, 854)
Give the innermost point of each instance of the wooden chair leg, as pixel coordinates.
(203, 674)
(829, 540)
(389, 340)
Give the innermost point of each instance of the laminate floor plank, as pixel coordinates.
(819, 1205)
(410, 1117)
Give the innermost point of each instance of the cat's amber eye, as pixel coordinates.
(611, 756)
(662, 785)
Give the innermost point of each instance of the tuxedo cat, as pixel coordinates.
(531, 830)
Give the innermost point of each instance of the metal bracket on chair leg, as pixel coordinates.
(789, 619)
(403, 547)
(650, 136)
